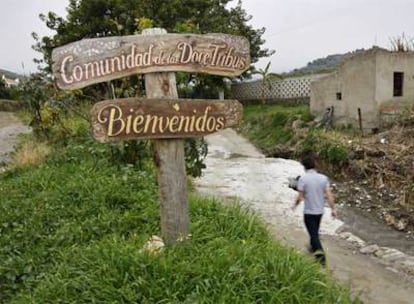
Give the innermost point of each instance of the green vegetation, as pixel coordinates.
(287, 128)
(72, 226)
(270, 125)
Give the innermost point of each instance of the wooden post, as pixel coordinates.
(360, 120)
(170, 161)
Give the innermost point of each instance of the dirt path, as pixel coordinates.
(235, 169)
(10, 128)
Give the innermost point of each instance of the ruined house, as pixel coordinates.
(366, 90)
(9, 82)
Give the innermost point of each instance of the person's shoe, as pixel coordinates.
(320, 257)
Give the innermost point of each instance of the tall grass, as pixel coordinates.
(268, 126)
(30, 153)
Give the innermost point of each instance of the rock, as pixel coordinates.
(345, 235)
(407, 265)
(379, 253)
(153, 246)
(392, 255)
(389, 219)
(356, 240)
(401, 224)
(369, 249)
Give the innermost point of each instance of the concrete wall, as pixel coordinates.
(366, 82)
(358, 89)
(354, 81)
(323, 95)
(387, 64)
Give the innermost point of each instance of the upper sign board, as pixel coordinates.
(90, 61)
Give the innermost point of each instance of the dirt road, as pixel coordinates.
(10, 128)
(235, 169)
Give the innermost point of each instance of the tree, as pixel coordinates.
(267, 78)
(100, 18)
(402, 44)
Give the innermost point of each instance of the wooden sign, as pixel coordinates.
(131, 118)
(90, 61)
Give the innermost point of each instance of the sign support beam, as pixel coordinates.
(170, 161)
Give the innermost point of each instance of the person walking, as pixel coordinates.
(314, 189)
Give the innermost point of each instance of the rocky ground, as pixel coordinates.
(380, 178)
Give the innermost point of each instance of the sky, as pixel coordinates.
(298, 30)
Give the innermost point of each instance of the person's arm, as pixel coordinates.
(299, 198)
(331, 201)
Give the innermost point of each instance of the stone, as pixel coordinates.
(345, 235)
(369, 249)
(406, 264)
(356, 240)
(392, 255)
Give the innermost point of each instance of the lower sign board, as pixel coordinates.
(131, 118)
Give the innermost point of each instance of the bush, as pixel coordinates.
(268, 126)
(336, 154)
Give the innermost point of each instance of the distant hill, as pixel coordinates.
(9, 74)
(325, 64)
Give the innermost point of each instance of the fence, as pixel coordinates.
(295, 88)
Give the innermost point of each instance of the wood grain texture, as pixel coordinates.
(170, 161)
(90, 61)
(132, 118)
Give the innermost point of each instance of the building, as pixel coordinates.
(366, 88)
(10, 82)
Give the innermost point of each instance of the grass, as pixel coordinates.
(72, 226)
(31, 153)
(270, 125)
(270, 128)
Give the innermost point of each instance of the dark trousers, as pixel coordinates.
(312, 223)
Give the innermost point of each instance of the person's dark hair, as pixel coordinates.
(308, 163)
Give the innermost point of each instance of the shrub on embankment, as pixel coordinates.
(71, 230)
(288, 131)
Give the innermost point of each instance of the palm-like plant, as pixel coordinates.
(267, 78)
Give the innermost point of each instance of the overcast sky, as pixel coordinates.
(298, 30)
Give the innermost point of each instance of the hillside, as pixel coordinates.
(10, 74)
(325, 64)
